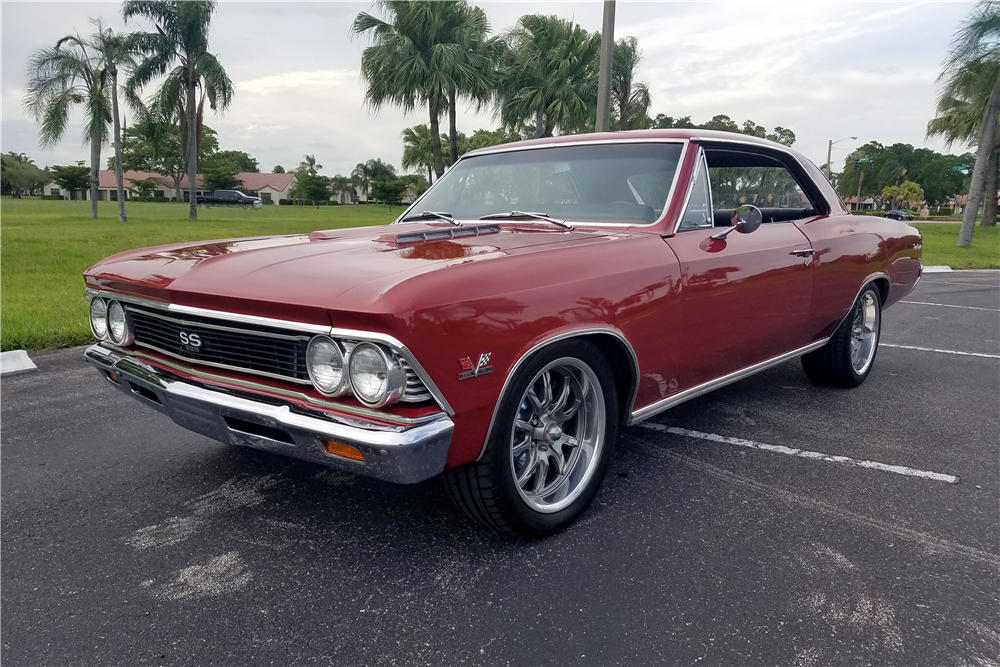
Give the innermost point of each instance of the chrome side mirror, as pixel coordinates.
(746, 219)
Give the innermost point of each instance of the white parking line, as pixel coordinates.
(932, 349)
(803, 453)
(949, 305)
(948, 282)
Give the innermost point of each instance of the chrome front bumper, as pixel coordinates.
(401, 456)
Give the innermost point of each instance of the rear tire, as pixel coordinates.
(848, 357)
(550, 446)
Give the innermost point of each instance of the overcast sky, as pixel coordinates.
(824, 70)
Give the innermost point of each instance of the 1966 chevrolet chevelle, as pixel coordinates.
(537, 297)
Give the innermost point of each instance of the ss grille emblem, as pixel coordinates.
(194, 340)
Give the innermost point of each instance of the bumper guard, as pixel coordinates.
(401, 456)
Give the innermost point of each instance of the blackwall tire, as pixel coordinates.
(550, 447)
(847, 359)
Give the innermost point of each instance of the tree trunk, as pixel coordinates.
(990, 192)
(95, 176)
(987, 131)
(539, 125)
(436, 142)
(430, 174)
(192, 143)
(119, 175)
(452, 130)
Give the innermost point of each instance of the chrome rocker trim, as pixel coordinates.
(400, 456)
(670, 401)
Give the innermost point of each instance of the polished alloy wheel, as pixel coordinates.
(864, 332)
(557, 435)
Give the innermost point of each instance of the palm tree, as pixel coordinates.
(549, 73)
(114, 51)
(960, 108)
(309, 165)
(629, 100)
(341, 185)
(181, 37)
(976, 44)
(63, 76)
(417, 152)
(361, 178)
(414, 58)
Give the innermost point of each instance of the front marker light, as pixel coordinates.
(99, 318)
(325, 363)
(118, 329)
(376, 377)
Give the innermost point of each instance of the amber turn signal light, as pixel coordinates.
(338, 449)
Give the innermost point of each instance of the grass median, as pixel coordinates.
(940, 247)
(46, 245)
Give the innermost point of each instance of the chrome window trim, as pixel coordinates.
(702, 163)
(685, 143)
(676, 399)
(354, 334)
(633, 362)
(349, 409)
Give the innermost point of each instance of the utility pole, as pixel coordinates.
(857, 206)
(829, 155)
(604, 82)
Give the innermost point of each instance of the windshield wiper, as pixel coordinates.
(526, 214)
(434, 215)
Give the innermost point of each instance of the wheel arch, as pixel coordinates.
(610, 342)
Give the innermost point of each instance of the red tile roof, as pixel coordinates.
(251, 180)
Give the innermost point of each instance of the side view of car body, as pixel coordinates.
(898, 215)
(229, 198)
(539, 296)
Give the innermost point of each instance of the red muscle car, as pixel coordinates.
(539, 296)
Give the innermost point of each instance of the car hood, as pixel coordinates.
(304, 276)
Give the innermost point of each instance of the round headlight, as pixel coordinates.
(376, 377)
(325, 363)
(117, 326)
(99, 317)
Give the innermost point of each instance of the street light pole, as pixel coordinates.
(603, 123)
(829, 154)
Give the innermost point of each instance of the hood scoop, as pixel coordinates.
(451, 233)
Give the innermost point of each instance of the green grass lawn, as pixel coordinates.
(940, 247)
(46, 245)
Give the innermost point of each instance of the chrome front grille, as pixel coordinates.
(246, 348)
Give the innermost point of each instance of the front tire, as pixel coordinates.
(848, 357)
(550, 446)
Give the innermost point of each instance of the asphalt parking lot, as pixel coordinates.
(772, 522)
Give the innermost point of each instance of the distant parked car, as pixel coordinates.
(229, 198)
(896, 214)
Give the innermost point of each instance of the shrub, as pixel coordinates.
(284, 202)
(267, 202)
(52, 197)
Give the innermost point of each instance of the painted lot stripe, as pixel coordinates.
(948, 282)
(949, 305)
(803, 453)
(932, 349)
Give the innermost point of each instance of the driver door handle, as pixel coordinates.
(807, 252)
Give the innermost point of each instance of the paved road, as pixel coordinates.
(129, 541)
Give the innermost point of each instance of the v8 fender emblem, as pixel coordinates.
(480, 368)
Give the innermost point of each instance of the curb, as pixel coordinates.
(16, 361)
(937, 269)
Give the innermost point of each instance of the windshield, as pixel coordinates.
(625, 183)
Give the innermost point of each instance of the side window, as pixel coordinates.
(740, 178)
(698, 214)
